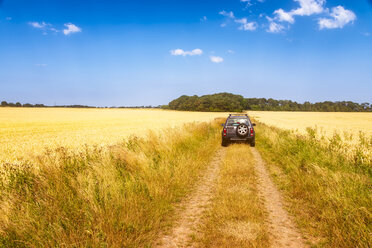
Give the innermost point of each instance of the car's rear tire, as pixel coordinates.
(253, 143)
(224, 143)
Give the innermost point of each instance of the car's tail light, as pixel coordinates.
(251, 131)
(224, 132)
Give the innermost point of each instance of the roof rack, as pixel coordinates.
(245, 115)
(238, 115)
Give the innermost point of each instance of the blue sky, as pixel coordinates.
(149, 52)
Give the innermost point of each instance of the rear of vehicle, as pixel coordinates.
(238, 128)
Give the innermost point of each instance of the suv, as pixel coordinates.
(238, 128)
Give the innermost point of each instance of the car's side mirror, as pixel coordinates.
(254, 124)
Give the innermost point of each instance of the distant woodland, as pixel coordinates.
(227, 102)
(28, 105)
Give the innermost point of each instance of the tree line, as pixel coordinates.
(227, 102)
(28, 105)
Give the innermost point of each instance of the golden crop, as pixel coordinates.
(25, 132)
(326, 123)
(349, 133)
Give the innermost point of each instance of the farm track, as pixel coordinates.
(192, 209)
(282, 230)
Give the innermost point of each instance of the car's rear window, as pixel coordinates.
(237, 121)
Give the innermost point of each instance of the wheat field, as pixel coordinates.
(325, 123)
(75, 196)
(26, 132)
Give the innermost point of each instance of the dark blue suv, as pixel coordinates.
(238, 128)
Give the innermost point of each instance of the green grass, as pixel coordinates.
(328, 187)
(120, 196)
(236, 217)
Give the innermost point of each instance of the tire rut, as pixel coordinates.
(192, 209)
(282, 230)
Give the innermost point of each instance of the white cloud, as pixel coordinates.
(227, 14)
(181, 52)
(366, 34)
(45, 27)
(274, 27)
(40, 25)
(41, 65)
(309, 7)
(247, 2)
(281, 15)
(245, 25)
(340, 17)
(231, 51)
(216, 59)
(8, 18)
(71, 28)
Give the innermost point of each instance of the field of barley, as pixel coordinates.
(26, 132)
(101, 178)
(325, 123)
(349, 133)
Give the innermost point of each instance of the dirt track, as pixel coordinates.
(282, 231)
(193, 207)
